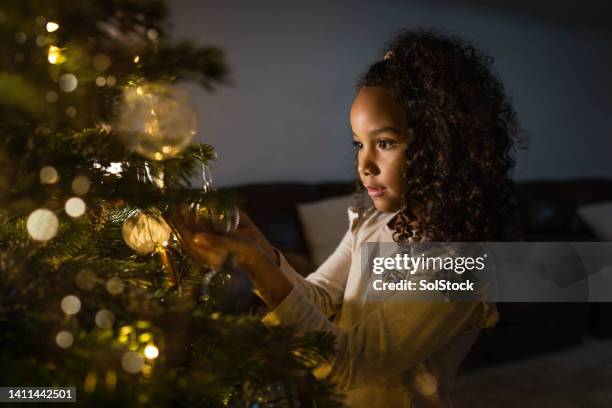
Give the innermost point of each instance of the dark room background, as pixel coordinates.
(294, 66)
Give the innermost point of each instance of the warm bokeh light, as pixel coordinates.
(42, 224)
(115, 285)
(71, 111)
(68, 83)
(48, 175)
(132, 362)
(152, 34)
(81, 185)
(71, 305)
(64, 339)
(55, 55)
(101, 62)
(151, 352)
(86, 279)
(105, 319)
(89, 384)
(51, 96)
(75, 207)
(52, 26)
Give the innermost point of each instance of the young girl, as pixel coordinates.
(433, 131)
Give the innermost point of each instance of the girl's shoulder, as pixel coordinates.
(368, 219)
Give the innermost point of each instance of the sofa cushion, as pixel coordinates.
(598, 217)
(549, 207)
(325, 222)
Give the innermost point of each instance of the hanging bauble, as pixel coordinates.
(144, 232)
(156, 120)
(212, 212)
(228, 289)
(214, 216)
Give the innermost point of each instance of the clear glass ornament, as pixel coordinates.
(156, 120)
(210, 214)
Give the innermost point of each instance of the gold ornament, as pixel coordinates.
(144, 233)
(156, 120)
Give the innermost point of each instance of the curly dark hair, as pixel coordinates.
(466, 129)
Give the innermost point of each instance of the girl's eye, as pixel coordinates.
(357, 145)
(385, 144)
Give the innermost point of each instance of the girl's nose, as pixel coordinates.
(367, 165)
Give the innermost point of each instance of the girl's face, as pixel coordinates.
(381, 134)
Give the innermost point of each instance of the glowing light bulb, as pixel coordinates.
(55, 55)
(52, 26)
(151, 352)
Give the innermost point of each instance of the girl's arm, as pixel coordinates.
(270, 273)
(325, 286)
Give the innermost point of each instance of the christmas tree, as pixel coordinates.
(96, 292)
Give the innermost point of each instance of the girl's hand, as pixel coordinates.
(247, 229)
(253, 253)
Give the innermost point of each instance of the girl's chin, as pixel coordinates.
(385, 206)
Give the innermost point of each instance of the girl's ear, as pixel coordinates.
(389, 55)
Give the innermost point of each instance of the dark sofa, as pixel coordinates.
(548, 213)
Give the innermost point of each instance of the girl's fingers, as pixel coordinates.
(212, 249)
(245, 220)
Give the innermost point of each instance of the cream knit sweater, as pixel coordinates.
(390, 353)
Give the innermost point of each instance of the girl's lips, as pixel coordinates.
(376, 191)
